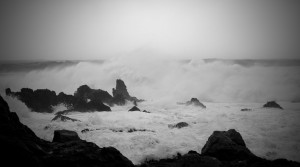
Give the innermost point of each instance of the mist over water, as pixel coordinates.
(165, 80)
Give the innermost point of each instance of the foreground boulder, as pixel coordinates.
(272, 104)
(21, 147)
(63, 136)
(227, 145)
(223, 149)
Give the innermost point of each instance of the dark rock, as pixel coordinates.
(272, 104)
(85, 93)
(120, 94)
(226, 146)
(63, 118)
(63, 136)
(179, 125)
(84, 99)
(134, 108)
(64, 112)
(145, 111)
(21, 147)
(246, 109)
(40, 100)
(80, 154)
(85, 130)
(195, 102)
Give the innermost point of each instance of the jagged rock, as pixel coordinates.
(62, 136)
(134, 108)
(40, 100)
(272, 104)
(195, 102)
(227, 146)
(21, 147)
(179, 125)
(120, 94)
(120, 89)
(63, 118)
(85, 93)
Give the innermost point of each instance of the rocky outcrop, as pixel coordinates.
(272, 104)
(40, 100)
(195, 102)
(84, 99)
(21, 147)
(134, 108)
(120, 94)
(223, 149)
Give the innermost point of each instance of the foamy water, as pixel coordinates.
(269, 133)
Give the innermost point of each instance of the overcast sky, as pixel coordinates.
(61, 29)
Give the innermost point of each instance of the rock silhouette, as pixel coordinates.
(21, 147)
(195, 102)
(120, 94)
(134, 108)
(84, 98)
(272, 104)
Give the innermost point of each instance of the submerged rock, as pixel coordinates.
(134, 108)
(145, 111)
(63, 118)
(272, 104)
(246, 109)
(194, 102)
(179, 125)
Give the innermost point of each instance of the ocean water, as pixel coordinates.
(225, 87)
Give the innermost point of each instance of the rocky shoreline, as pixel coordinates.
(20, 146)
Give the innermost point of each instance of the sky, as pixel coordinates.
(90, 29)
